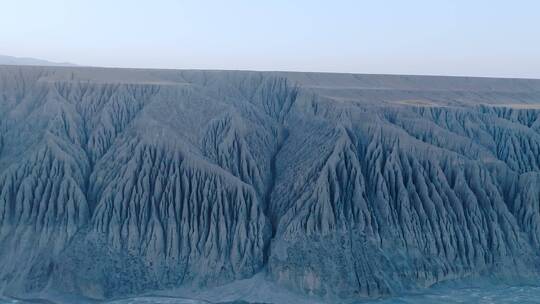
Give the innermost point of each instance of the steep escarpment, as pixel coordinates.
(410, 196)
(117, 182)
(176, 218)
(132, 175)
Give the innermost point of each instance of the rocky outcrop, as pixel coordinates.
(116, 182)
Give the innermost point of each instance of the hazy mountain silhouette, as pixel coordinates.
(10, 60)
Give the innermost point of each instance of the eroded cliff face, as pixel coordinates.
(117, 182)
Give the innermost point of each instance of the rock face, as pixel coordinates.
(116, 182)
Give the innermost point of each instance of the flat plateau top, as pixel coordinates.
(362, 88)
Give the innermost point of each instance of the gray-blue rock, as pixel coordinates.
(116, 182)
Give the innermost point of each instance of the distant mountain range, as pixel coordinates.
(10, 60)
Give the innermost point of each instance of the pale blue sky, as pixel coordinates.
(461, 37)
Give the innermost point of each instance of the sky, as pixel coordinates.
(436, 37)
